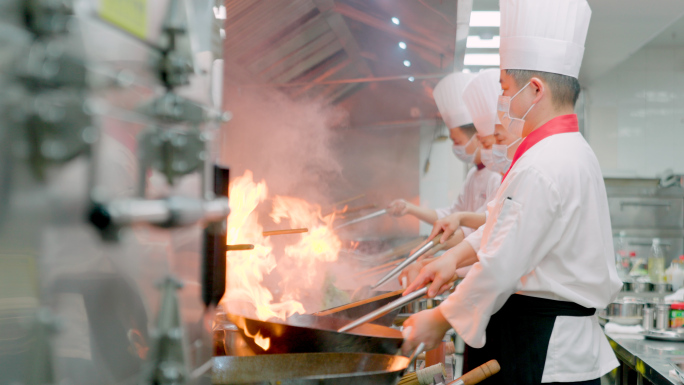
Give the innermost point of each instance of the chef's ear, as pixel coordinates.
(539, 89)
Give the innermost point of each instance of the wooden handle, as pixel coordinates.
(349, 200)
(480, 373)
(283, 232)
(239, 247)
(438, 246)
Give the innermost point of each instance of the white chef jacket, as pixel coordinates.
(479, 188)
(474, 239)
(547, 235)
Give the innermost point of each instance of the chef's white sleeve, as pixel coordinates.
(475, 238)
(518, 233)
(458, 206)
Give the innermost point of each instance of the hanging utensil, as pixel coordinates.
(396, 304)
(363, 218)
(433, 245)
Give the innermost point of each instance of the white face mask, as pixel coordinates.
(503, 110)
(487, 157)
(500, 161)
(462, 154)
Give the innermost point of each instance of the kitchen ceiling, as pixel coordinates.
(619, 28)
(322, 48)
(311, 48)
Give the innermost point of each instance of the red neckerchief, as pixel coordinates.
(480, 166)
(558, 125)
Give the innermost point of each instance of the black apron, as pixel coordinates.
(518, 337)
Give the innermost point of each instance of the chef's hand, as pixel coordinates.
(441, 272)
(428, 327)
(447, 225)
(411, 271)
(398, 208)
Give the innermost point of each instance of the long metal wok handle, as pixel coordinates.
(408, 261)
(478, 374)
(412, 358)
(372, 316)
(363, 218)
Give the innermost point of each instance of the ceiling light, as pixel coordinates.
(402, 45)
(411, 78)
(485, 19)
(395, 20)
(408, 63)
(479, 42)
(481, 59)
(220, 12)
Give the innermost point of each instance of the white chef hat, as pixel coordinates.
(544, 35)
(480, 97)
(448, 95)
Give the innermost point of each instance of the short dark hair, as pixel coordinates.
(564, 89)
(468, 129)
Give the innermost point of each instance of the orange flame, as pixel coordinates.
(300, 263)
(263, 342)
(320, 244)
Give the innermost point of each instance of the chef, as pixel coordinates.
(480, 97)
(545, 263)
(480, 184)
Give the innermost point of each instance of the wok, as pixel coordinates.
(310, 368)
(359, 309)
(315, 334)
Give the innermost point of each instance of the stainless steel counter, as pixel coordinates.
(646, 360)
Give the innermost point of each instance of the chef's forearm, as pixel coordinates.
(455, 239)
(472, 220)
(423, 213)
(464, 253)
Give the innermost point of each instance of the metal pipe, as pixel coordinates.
(170, 212)
(216, 210)
(130, 211)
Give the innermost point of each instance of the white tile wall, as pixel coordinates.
(444, 181)
(635, 114)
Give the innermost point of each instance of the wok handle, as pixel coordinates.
(478, 374)
(372, 316)
(414, 355)
(411, 258)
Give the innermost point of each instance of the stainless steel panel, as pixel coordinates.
(617, 187)
(653, 213)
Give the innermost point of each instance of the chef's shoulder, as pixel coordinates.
(565, 161)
